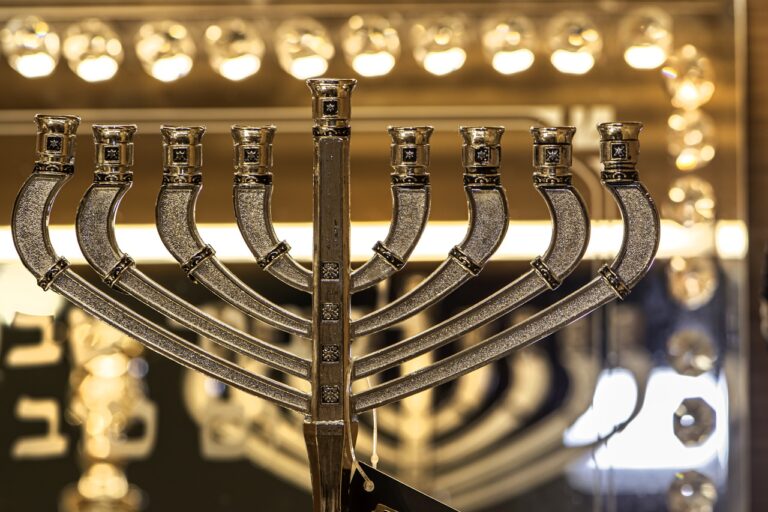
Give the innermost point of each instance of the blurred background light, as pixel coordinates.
(93, 50)
(234, 48)
(303, 47)
(166, 50)
(690, 201)
(508, 42)
(575, 43)
(691, 139)
(439, 44)
(646, 36)
(371, 45)
(31, 47)
(689, 77)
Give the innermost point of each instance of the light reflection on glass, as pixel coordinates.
(689, 77)
(303, 47)
(691, 139)
(646, 35)
(371, 45)
(575, 43)
(166, 50)
(234, 48)
(31, 47)
(508, 42)
(439, 44)
(93, 50)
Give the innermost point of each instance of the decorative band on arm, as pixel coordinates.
(195, 261)
(117, 271)
(393, 259)
(253, 179)
(614, 281)
(410, 180)
(54, 167)
(184, 179)
(269, 258)
(545, 273)
(465, 261)
(481, 180)
(46, 280)
(112, 177)
(620, 176)
(541, 180)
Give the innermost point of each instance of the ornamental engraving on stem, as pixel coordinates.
(329, 270)
(330, 312)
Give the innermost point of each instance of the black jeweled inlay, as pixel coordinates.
(615, 281)
(482, 155)
(46, 280)
(390, 257)
(545, 273)
(619, 151)
(465, 261)
(180, 155)
(251, 155)
(118, 270)
(552, 155)
(277, 251)
(330, 107)
(409, 155)
(54, 143)
(111, 153)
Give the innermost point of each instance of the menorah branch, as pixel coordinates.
(30, 230)
(570, 235)
(330, 425)
(95, 230)
(409, 158)
(176, 225)
(641, 238)
(253, 206)
(488, 221)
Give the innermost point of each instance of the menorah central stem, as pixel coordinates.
(328, 428)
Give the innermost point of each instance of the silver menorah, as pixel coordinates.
(331, 409)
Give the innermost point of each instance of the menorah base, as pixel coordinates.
(329, 463)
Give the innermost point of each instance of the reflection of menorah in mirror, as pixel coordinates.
(331, 407)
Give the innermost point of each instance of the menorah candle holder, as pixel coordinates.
(331, 408)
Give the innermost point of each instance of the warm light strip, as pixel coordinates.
(524, 241)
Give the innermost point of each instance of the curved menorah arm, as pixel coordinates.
(182, 181)
(54, 166)
(409, 158)
(95, 232)
(619, 149)
(570, 236)
(488, 222)
(253, 209)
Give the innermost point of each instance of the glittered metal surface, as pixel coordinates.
(638, 248)
(95, 230)
(30, 225)
(254, 218)
(410, 211)
(570, 236)
(176, 225)
(488, 221)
